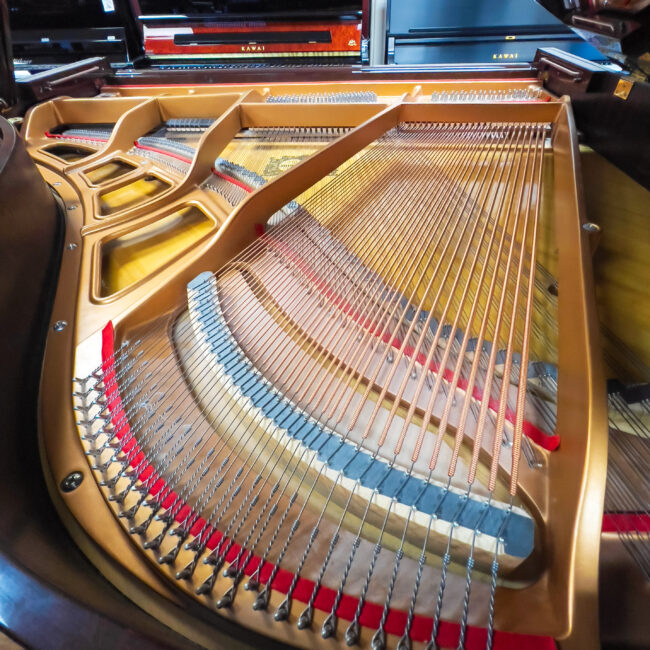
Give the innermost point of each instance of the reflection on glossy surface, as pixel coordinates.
(109, 171)
(130, 195)
(67, 152)
(134, 256)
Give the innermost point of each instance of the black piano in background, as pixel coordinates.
(462, 31)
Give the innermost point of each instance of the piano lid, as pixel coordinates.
(620, 29)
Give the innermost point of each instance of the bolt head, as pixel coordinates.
(72, 246)
(60, 325)
(72, 481)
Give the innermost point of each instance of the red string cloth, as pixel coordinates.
(448, 633)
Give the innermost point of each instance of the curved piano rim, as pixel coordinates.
(50, 595)
(144, 588)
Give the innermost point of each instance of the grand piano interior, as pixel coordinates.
(325, 324)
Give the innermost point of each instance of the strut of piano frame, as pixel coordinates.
(567, 496)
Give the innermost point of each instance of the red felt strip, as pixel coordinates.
(62, 136)
(137, 145)
(234, 181)
(626, 522)
(371, 613)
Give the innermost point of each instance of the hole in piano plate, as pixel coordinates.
(108, 171)
(133, 256)
(552, 289)
(131, 194)
(68, 153)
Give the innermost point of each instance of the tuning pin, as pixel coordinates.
(227, 599)
(169, 557)
(218, 563)
(282, 612)
(144, 526)
(207, 586)
(305, 619)
(262, 600)
(353, 633)
(130, 513)
(141, 528)
(230, 572)
(378, 640)
(187, 571)
(155, 542)
(142, 488)
(404, 643)
(329, 626)
(211, 558)
(252, 585)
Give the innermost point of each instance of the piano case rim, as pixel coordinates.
(583, 579)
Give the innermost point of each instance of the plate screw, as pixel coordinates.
(72, 246)
(591, 227)
(72, 207)
(60, 325)
(72, 481)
